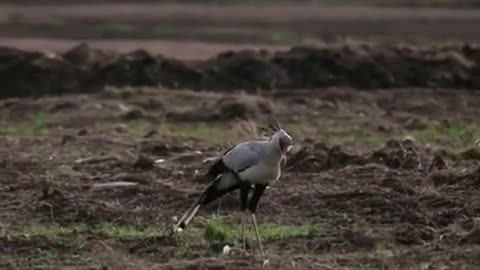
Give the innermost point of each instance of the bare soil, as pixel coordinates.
(286, 24)
(375, 199)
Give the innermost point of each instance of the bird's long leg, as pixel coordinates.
(192, 214)
(244, 239)
(257, 193)
(254, 220)
(185, 215)
(244, 189)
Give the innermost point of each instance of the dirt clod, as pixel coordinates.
(143, 162)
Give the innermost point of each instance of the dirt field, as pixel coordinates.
(100, 149)
(360, 195)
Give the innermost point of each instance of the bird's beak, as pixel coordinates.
(289, 148)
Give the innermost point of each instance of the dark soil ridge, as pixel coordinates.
(84, 69)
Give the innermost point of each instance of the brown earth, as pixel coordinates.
(287, 24)
(373, 200)
(366, 66)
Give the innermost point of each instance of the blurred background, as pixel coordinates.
(199, 29)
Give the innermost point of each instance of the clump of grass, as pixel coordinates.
(50, 231)
(473, 263)
(458, 133)
(44, 259)
(273, 231)
(35, 126)
(125, 232)
(218, 232)
(463, 132)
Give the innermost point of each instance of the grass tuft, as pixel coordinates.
(220, 232)
(125, 232)
(459, 133)
(35, 126)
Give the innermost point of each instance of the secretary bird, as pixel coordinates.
(246, 166)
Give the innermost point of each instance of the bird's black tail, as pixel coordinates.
(225, 182)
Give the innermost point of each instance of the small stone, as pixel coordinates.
(226, 250)
(408, 139)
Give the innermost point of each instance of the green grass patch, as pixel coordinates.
(458, 133)
(45, 259)
(51, 230)
(126, 232)
(105, 229)
(217, 231)
(35, 126)
(473, 263)
(221, 232)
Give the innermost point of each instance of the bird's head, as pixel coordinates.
(282, 140)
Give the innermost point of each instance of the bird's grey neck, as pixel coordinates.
(273, 153)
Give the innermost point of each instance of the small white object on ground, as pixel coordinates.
(266, 262)
(226, 250)
(409, 138)
(114, 184)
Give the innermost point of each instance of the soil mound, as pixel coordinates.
(86, 69)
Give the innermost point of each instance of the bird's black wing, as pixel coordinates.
(218, 167)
